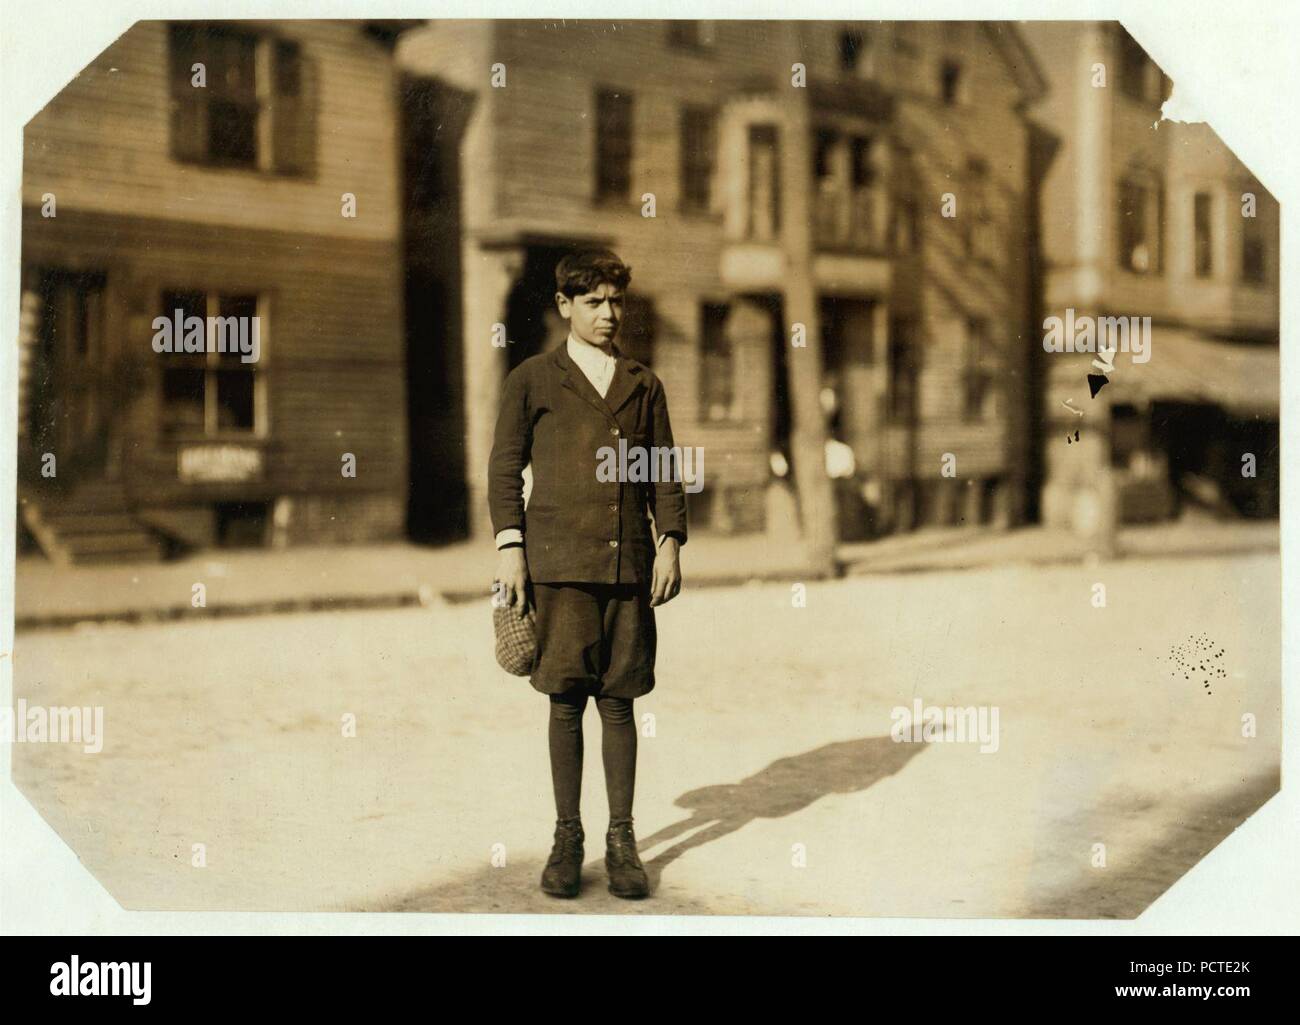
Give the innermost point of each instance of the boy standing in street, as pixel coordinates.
(583, 555)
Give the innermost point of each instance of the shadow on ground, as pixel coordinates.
(784, 787)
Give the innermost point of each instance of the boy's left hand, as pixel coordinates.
(666, 581)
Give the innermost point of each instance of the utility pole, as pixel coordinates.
(808, 428)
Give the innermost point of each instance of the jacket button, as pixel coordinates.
(614, 431)
(613, 544)
(613, 507)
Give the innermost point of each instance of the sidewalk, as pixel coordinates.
(321, 578)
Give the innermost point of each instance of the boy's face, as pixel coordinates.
(595, 317)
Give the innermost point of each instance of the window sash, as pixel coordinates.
(1140, 215)
(1203, 232)
(214, 364)
(717, 363)
(613, 144)
(1252, 270)
(256, 110)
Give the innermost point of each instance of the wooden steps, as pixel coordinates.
(93, 524)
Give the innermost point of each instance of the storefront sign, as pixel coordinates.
(220, 463)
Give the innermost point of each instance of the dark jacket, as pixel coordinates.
(578, 527)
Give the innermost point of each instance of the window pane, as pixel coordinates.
(864, 174)
(1133, 74)
(852, 44)
(1204, 253)
(764, 183)
(234, 400)
(236, 327)
(191, 304)
(1138, 213)
(716, 391)
(697, 157)
(1252, 250)
(182, 399)
(288, 68)
(232, 132)
(950, 82)
(231, 64)
(904, 367)
(613, 145)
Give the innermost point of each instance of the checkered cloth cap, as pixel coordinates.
(516, 639)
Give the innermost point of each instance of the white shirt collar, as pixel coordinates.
(591, 355)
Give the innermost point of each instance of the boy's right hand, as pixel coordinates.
(512, 580)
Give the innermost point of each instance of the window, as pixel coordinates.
(698, 149)
(66, 393)
(717, 365)
(613, 145)
(848, 332)
(979, 228)
(211, 392)
(830, 223)
(978, 372)
(950, 83)
(1141, 223)
(254, 107)
(863, 171)
(1139, 78)
(1204, 253)
(855, 53)
(904, 371)
(1252, 250)
(691, 34)
(864, 197)
(848, 206)
(74, 315)
(906, 225)
(764, 222)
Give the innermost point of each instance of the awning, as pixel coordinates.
(1188, 366)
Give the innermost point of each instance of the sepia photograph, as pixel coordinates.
(739, 467)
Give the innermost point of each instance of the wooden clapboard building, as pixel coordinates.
(683, 146)
(1143, 217)
(240, 169)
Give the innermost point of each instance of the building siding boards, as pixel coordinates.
(103, 142)
(543, 180)
(333, 348)
(334, 354)
(1113, 133)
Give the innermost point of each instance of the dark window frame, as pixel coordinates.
(903, 392)
(1140, 219)
(978, 371)
(615, 117)
(692, 34)
(213, 366)
(698, 141)
(1203, 235)
(952, 82)
(257, 111)
(763, 135)
(717, 384)
(1252, 266)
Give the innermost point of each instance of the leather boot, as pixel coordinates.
(627, 876)
(562, 876)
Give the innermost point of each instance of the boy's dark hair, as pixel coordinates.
(587, 269)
